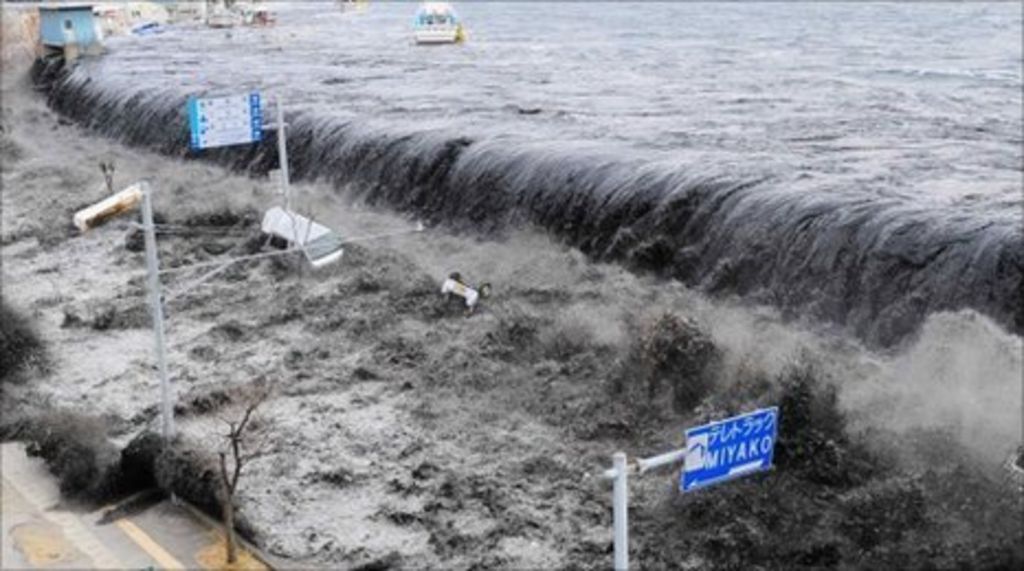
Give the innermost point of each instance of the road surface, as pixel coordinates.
(40, 531)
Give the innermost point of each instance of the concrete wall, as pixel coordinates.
(20, 33)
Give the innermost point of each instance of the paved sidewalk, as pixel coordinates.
(41, 532)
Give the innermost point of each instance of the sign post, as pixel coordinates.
(620, 509)
(714, 453)
(282, 153)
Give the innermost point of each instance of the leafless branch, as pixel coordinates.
(236, 437)
(224, 470)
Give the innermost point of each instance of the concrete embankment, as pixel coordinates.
(19, 36)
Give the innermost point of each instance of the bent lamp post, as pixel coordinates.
(118, 204)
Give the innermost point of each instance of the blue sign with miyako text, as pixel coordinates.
(729, 448)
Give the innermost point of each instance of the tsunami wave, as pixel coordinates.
(875, 267)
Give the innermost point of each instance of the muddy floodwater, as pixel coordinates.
(685, 211)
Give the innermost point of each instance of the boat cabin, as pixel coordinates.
(436, 23)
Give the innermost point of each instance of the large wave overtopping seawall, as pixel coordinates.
(875, 266)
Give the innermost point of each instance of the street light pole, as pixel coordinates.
(157, 311)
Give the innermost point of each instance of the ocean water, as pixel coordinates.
(890, 100)
(861, 163)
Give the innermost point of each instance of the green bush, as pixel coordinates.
(76, 451)
(192, 475)
(19, 344)
(813, 439)
(669, 354)
(832, 502)
(514, 336)
(138, 461)
(883, 511)
(565, 340)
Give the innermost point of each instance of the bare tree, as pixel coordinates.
(240, 450)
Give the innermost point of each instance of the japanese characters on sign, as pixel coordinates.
(223, 121)
(729, 448)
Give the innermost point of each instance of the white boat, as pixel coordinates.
(352, 5)
(437, 23)
(222, 18)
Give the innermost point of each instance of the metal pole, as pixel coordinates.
(620, 515)
(153, 280)
(282, 153)
(646, 464)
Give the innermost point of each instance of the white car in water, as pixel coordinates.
(437, 23)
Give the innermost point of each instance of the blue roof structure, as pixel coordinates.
(67, 23)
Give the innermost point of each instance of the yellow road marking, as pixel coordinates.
(213, 557)
(143, 540)
(40, 493)
(42, 545)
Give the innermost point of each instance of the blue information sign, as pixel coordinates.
(223, 121)
(729, 448)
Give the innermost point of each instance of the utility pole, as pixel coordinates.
(156, 308)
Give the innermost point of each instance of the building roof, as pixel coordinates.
(65, 7)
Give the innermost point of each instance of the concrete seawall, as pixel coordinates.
(19, 37)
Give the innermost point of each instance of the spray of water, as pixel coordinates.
(962, 374)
